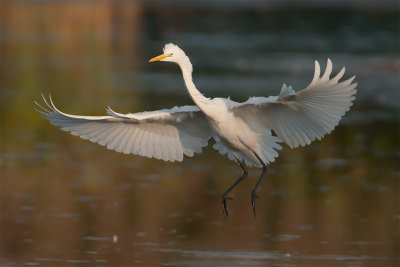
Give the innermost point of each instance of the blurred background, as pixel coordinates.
(67, 201)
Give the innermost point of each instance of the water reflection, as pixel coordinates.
(68, 201)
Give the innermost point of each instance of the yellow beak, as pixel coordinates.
(160, 57)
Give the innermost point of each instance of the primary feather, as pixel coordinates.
(166, 134)
(301, 118)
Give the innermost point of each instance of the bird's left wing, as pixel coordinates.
(299, 118)
(166, 134)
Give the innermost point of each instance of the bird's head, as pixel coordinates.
(172, 53)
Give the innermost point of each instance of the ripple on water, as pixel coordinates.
(330, 163)
(48, 260)
(27, 208)
(66, 215)
(97, 238)
(78, 261)
(259, 258)
(303, 227)
(87, 198)
(141, 234)
(148, 177)
(91, 252)
(285, 237)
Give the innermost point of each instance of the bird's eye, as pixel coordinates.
(171, 54)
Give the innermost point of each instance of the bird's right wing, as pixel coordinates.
(299, 118)
(164, 134)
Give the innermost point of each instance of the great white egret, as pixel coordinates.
(249, 132)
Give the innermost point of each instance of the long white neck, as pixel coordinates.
(199, 99)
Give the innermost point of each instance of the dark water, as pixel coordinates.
(66, 201)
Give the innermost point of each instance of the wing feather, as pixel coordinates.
(129, 141)
(120, 145)
(136, 149)
(116, 140)
(143, 144)
(300, 118)
(171, 150)
(166, 134)
(150, 144)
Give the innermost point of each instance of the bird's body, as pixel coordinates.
(241, 130)
(233, 132)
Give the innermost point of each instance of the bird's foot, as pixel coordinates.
(224, 208)
(254, 196)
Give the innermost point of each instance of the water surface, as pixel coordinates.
(66, 201)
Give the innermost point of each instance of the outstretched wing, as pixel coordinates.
(300, 118)
(165, 134)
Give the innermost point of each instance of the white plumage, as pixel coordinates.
(241, 130)
(308, 115)
(165, 134)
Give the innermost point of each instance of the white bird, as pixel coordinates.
(241, 130)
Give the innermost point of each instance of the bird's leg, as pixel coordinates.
(254, 192)
(225, 194)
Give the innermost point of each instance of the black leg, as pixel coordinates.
(225, 194)
(254, 192)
